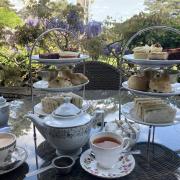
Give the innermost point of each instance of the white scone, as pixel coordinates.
(138, 82)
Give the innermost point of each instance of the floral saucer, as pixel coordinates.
(124, 166)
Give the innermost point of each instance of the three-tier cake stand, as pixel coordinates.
(126, 109)
(43, 86)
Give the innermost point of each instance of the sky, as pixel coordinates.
(100, 9)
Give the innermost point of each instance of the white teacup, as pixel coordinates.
(107, 147)
(7, 146)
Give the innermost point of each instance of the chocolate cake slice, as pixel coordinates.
(173, 54)
(49, 56)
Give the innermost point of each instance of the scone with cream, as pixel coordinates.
(160, 83)
(141, 52)
(138, 82)
(60, 82)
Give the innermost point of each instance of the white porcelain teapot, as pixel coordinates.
(4, 111)
(68, 128)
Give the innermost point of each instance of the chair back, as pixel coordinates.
(102, 76)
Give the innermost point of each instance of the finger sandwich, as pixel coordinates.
(153, 110)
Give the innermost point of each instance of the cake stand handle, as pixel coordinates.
(166, 28)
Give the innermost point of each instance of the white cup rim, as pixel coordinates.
(116, 136)
(12, 143)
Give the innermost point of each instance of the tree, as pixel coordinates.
(165, 7)
(6, 4)
(43, 8)
(9, 18)
(128, 28)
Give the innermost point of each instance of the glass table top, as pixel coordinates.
(23, 129)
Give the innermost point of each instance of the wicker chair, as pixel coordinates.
(102, 76)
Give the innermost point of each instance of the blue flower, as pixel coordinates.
(106, 51)
(32, 21)
(55, 23)
(78, 27)
(93, 29)
(116, 48)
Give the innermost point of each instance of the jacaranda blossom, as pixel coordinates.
(32, 21)
(116, 48)
(93, 29)
(55, 23)
(106, 51)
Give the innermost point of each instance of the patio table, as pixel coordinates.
(164, 161)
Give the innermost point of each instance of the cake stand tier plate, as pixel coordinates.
(60, 60)
(175, 90)
(43, 85)
(129, 113)
(148, 63)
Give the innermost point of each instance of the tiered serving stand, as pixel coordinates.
(34, 59)
(126, 109)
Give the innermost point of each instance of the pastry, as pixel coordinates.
(156, 48)
(160, 83)
(138, 82)
(154, 110)
(158, 56)
(69, 54)
(141, 52)
(49, 56)
(60, 82)
(156, 52)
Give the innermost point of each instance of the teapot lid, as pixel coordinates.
(2, 101)
(67, 110)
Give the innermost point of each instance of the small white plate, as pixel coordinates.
(175, 90)
(20, 156)
(60, 60)
(124, 166)
(43, 85)
(128, 111)
(154, 63)
(39, 110)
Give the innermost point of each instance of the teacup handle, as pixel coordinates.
(126, 144)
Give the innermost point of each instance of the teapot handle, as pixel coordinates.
(98, 117)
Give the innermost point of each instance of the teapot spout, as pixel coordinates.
(34, 118)
(38, 122)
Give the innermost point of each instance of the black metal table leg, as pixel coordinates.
(149, 141)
